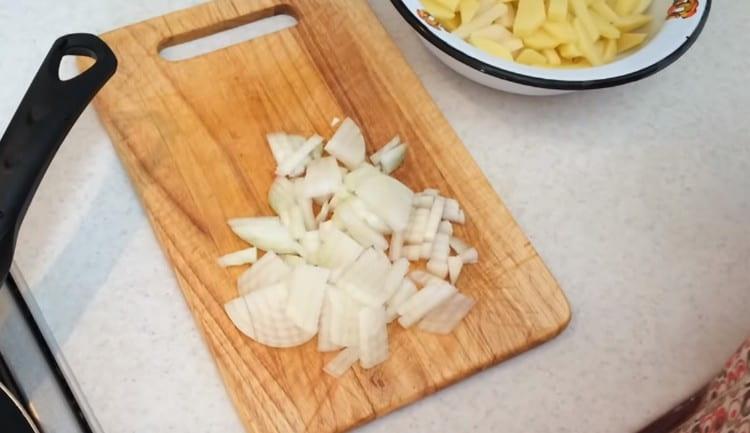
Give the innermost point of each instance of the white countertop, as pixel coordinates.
(638, 199)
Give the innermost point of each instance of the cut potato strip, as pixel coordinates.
(446, 317)
(482, 20)
(424, 301)
(342, 362)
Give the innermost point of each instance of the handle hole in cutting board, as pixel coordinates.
(228, 34)
(73, 65)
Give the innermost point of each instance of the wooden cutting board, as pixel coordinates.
(191, 135)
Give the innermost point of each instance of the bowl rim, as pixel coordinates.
(549, 83)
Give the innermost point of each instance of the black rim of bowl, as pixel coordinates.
(546, 83)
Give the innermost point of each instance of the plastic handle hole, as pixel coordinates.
(208, 40)
(72, 65)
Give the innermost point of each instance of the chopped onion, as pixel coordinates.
(415, 232)
(337, 251)
(441, 245)
(436, 215)
(438, 268)
(355, 178)
(424, 200)
(470, 256)
(322, 199)
(406, 290)
(455, 264)
(452, 211)
(363, 279)
(268, 323)
(305, 204)
(426, 250)
(269, 270)
(392, 159)
(347, 144)
(431, 191)
(281, 195)
(335, 121)
(372, 220)
(394, 277)
(266, 233)
(325, 332)
(310, 245)
(373, 337)
(421, 303)
(322, 178)
(237, 311)
(294, 221)
(397, 242)
(293, 260)
(288, 165)
(411, 252)
(388, 198)
(358, 229)
(375, 157)
(307, 288)
(342, 362)
(424, 278)
(325, 210)
(242, 257)
(446, 317)
(344, 317)
(458, 245)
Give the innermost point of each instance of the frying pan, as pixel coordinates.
(47, 113)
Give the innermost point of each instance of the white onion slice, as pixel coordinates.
(322, 177)
(424, 301)
(470, 256)
(423, 200)
(455, 264)
(305, 204)
(360, 208)
(337, 251)
(431, 191)
(375, 157)
(344, 317)
(406, 290)
(446, 317)
(397, 242)
(373, 337)
(424, 278)
(269, 270)
(358, 229)
(416, 230)
(437, 268)
(411, 252)
(280, 146)
(347, 144)
(325, 332)
(387, 198)
(458, 245)
(441, 245)
(342, 362)
(322, 199)
(392, 159)
(325, 210)
(266, 233)
(237, 258)
(307, 288)
(290, 163)
(363, 280)
(293, 260)
(452, 211)
(236, 309)
(268, 322)
(355, 178)
(281, 195)
(311, 244)
(294, 221)
(426, 250)
(394, 277)
(436, 215)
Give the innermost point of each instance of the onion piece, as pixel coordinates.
(335, 121)
(294, 221)
(455, 264)
(298, 141)
(236, 309)
(424, 278)
(446, 317)
(426, 250)
(373, 337)
(458, 245)
(438, 268)
(424, 301)
(372, 220)
(280, 145)
(441, 245)
(268, 323)
(375, 157)
(423, 200)
(363, 280)
(469, 256)
(337, 251)
(325, 332)
(397, 242)
(355, 178)
(433, 221)
(281, 195)
(358, 229)
(406, 290)
(344, 317)
(411, 252)
(322, 178)
(387, 198)
(325, 210)
(290, 163)
(452, 211)
(431, 191)
(307, 288)
(269, 270)
(415, 232)
(392, 159)
(310, 245)
(305, 204)
(342, 362)
(237, 258)
(266, 233)
(292, 260)
(347, 144)
(394, 277)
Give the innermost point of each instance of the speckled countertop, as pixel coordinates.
(638, 198)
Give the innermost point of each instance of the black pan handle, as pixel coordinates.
(46, 114)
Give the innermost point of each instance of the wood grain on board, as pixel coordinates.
(191, 135)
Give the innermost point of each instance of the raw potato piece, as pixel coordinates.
(491, 47)
(540, 40)
(342, 362)
(628, 41)
(558, 10)
(633, 22)
(468, 9)
(446, 317)
(530, 15)
(625, 7)
(437, 9)
(605, 28)
(373, 337)
(482, 20)
(552, 57)
(586, 44)
(610, 50)
(451, 5)
(531, 57)
(583, 15)
(494, 32)
(562, 31)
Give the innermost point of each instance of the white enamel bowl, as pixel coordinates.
(669, 38)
